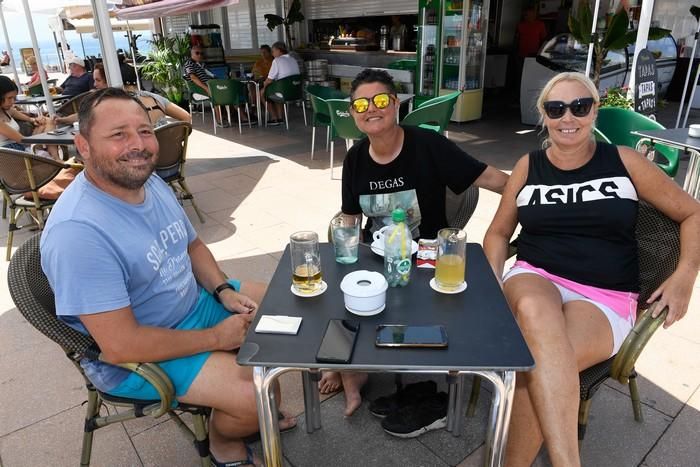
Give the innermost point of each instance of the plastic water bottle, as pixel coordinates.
(397, 250)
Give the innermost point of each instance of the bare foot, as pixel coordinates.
(330, 382)
(287, 423)
(352, 383)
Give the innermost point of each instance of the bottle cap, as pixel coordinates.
(398, 215)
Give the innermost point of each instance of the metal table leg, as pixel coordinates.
(499, 418)
(263, 379)
(451, 400)
(458, 413)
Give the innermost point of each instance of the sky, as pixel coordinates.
(18, 30)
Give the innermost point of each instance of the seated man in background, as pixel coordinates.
(261, 68)
(282, 66)
(79, 80)
(150, 290)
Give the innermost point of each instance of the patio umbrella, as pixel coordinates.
(158, 8)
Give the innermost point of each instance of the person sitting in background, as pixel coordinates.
(35, 77)
(79, 80)
(261, 68)
(10, 136)
(5, 60)
(574, 286)
(282, 66)
(158, 107)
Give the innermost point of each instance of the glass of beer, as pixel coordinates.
(306, 262)
(451, 259)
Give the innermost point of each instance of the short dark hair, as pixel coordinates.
(373, 75)
(281, 46)
(86, 111)
(266, 47)
(6, 86)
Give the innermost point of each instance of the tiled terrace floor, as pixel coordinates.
(256, 189)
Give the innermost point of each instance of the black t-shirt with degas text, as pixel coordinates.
(414, 181)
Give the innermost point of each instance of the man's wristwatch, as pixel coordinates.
(220, 289)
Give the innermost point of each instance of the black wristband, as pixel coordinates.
(220, 289)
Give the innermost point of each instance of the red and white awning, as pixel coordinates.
(158, 8)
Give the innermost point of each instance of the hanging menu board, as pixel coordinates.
(645, 83)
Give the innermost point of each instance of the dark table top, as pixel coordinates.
(39, 99)
(481, 331)
(45, 138)
(677, 136)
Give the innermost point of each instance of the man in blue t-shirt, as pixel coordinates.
(79, 81)
(141, 283)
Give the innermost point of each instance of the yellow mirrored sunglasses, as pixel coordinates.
(380, 101)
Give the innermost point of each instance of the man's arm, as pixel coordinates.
(122, 339)
(199, 83)
(492, 179)
(210, 276)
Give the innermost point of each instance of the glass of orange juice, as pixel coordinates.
(451, 259)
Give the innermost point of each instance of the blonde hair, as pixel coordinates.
(31, 60)
(568, 76)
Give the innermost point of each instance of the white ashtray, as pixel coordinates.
(694, 131)
(364, 292)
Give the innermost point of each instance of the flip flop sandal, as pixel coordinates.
(247, 461)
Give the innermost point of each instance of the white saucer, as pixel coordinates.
(323, 288)
(377, 249)
(367, 313)
(461, 288)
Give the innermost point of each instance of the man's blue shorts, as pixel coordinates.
(182, 371)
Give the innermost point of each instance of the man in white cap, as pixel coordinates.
(79, 81)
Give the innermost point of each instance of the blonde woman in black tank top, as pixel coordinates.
(565, 198)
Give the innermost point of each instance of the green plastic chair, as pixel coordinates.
(320, 117)
(444, 97)
(343, 124)
(434, 114)
(286, 90)
(325, 92)
(599, 136)
(202, 98)
(37, 90)
(227, 92)
(617, 124)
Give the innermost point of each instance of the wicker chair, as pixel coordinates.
(172, 140)
(22, 172)
(31, 293)
(71, 106)
(658, 238)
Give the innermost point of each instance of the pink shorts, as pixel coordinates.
(620, 308)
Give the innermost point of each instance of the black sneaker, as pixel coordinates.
(421, 417)
(385, 405)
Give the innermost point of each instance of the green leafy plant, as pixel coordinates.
(614, 37)
(293, 16)
(616, 97)
(164, 64)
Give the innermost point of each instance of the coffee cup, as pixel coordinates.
(378, 235)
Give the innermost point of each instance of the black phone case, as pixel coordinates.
(328, 359)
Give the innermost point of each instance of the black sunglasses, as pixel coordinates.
(579, 107)
(198, 53)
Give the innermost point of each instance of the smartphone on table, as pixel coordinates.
(338, 341)
(56, 132)
(399, 335)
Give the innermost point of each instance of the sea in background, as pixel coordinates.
(49, 54)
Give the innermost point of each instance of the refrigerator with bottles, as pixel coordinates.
(452, 51)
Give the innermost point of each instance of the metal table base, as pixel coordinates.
(497, 429)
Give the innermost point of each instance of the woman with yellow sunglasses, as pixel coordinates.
(399, 167)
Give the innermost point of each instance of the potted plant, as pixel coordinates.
(614, 37)
(293, 16)
(163, 65)
(616, 97)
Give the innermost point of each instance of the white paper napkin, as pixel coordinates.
(277, 324)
